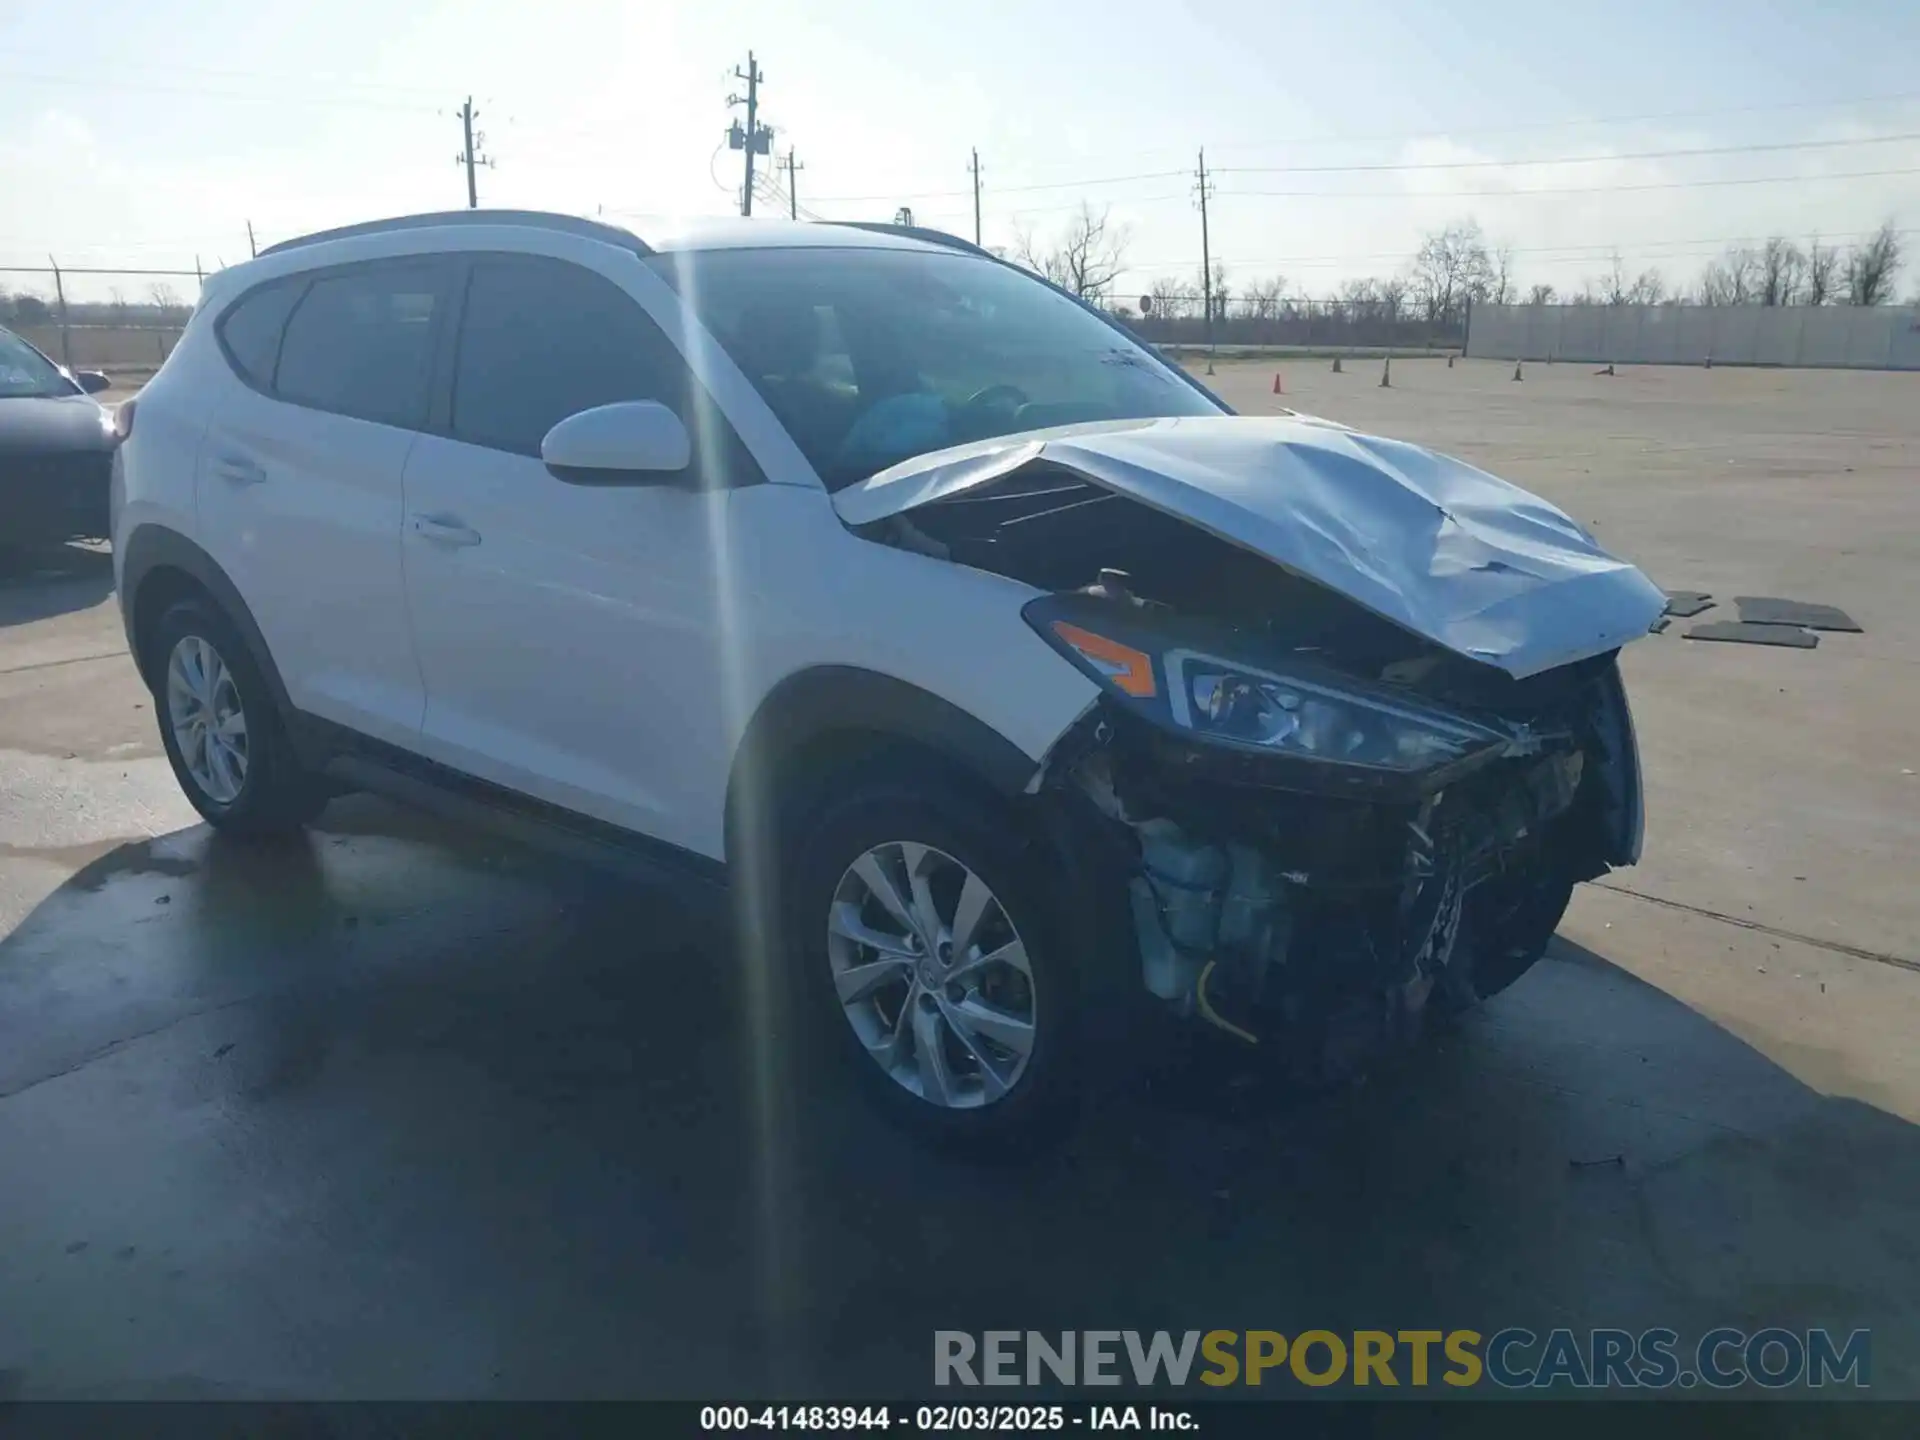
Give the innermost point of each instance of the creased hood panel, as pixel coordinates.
(1449, 552)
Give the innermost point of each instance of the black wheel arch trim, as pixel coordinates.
(155, 547)
(824, 700)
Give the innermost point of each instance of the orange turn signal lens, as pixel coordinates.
(1130, 670)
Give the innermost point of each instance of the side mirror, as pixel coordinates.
(633, 442)
(92, 381)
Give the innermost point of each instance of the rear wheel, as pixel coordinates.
(926, 940)
(221, 731)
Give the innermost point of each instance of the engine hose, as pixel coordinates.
(1214, 1016)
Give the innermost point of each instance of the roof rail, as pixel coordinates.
(915, 232)
(570, 224)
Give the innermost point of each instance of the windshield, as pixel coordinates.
(870, 356)
(26, 373)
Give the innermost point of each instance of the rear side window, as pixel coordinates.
(360, 343)
(250, 331)
(542, 340)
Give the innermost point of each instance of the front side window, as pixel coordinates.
(360, 343)
(870, 356)
(541, 340)
(26, 374)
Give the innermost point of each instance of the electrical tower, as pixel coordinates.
(793, 188)
(755, 139)
(975, 169)
(470, 156)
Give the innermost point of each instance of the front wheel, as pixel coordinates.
(928, 944)
(1505, 926)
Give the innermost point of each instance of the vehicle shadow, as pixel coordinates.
(393, 1112)
(39, 582)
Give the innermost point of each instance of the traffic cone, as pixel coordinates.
(1336, 366)
(1516, 369)
(1386, 373)
(1278, 388)
(1709, 360)
(1607, 371)
(1449, 360)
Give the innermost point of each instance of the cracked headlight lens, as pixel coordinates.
(1289, 715)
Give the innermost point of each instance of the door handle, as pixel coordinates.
(239, 470)
(445, 530)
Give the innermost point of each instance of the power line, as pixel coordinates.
(1565, 190)
(1902, 98)
(197, 93)
(1004, 189)
(1565, 159)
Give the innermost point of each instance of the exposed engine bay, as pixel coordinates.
(1320, 821)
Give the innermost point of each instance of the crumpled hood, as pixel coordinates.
(1446, 551)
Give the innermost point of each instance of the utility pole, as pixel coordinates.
(793, 189)
(252, 248)
(469, 156)
(756, 139)
(1206, 256)
(975, 168)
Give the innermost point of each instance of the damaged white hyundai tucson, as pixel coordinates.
(1006, 677)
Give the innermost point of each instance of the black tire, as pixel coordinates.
(944, 812)
(1506, 924)
(276, 796)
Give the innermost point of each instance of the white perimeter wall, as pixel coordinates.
(1881, 337)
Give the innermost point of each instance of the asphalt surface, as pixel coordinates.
(396, 1112)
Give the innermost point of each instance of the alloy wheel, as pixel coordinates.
(932, 975)
(209, 723)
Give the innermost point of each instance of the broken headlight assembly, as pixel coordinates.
(1224, 700)
(1289, 707)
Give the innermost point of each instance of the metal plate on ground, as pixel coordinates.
(1683, 603)
(1766, 610)
(1744, 632)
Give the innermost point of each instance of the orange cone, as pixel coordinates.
(1278, 388)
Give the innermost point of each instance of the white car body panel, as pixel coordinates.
(302, 510)
(1444, 550)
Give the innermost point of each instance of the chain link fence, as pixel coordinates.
(122, 321)
(1306, 325)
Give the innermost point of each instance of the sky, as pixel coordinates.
(148, 135)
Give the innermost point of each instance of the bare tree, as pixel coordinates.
(1540, 295)
(1730, 280)
(1782, 267)
(1263, 296)
(1088, 258)
(1393, 297)
(1501, 287)
(1450, 265)
(1173, 298)
(1221, 289)
(1872, 266)
(117, 305)
(1823, 274)
(165, 298)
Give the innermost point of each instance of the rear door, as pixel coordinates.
(300, 479)
(571, 636)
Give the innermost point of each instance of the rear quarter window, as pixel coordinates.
(250, 330)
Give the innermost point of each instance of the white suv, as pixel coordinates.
(1002, 672)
